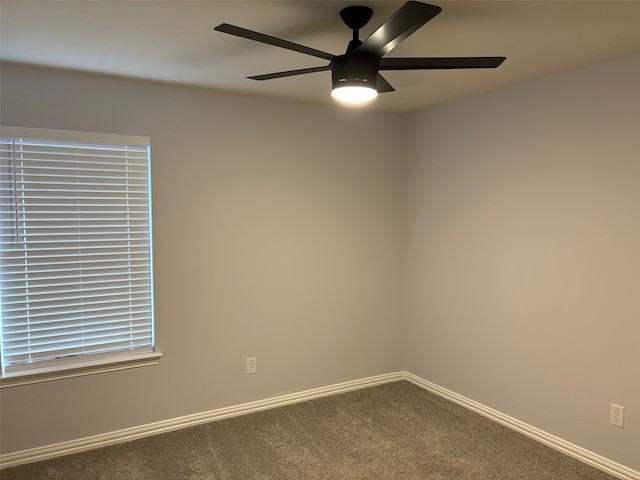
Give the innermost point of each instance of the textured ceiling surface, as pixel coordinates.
(174, 41)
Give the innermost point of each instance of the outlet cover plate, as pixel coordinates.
(251, 365)
(616, 415)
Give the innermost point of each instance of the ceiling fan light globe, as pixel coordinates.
(354, 94)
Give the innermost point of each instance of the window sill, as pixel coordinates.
(79, 369)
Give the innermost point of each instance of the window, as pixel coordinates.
(75, 251)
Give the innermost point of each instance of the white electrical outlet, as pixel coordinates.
(251, 365)
(616, 415)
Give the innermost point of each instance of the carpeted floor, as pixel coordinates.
(393, 431)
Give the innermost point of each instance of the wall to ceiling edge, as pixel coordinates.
(521, 247)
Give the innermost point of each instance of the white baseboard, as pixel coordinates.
(134, 433)
(585, 456)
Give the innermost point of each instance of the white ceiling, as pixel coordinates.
(174, 41)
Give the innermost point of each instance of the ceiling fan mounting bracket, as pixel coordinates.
(356, 16)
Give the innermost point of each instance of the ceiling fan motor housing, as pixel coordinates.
(354, 70)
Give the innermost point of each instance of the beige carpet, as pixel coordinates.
(392, 431)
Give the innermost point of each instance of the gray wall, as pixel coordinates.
(522, 252)
(281, 230)
(276, 235)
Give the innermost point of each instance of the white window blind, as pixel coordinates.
(75, 247)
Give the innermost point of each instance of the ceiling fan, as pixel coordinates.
(356, 74)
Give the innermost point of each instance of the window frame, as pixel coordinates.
(86, 364)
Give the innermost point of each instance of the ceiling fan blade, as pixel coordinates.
(290, 73)
(384, 86)
(406, 20)
(439, 63)
(268, 39)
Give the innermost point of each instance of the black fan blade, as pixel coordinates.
(290, 73)
(439, 63)
(384, 86)
(268, 39)
(406, 20)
